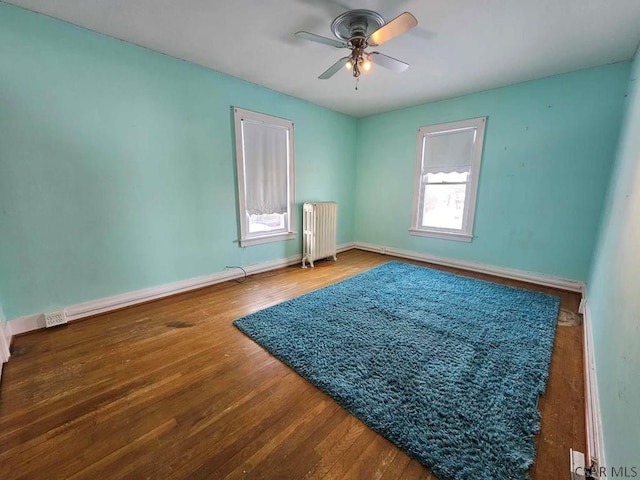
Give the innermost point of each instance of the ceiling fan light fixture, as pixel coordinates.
(348, 65)
(366, 64)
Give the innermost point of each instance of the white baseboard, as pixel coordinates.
(595, 438)
(86, 309)
(5, 341)
(531, 277)
(27, 323)
(343, 247)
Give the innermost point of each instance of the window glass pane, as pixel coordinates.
(443, 206)
(267, 222)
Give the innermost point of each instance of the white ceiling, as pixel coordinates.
(459, 46)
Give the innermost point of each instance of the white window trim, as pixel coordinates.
(466, 233)
(248, 239)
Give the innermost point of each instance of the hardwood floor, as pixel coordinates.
(171, 389)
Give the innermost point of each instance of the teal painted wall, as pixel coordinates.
(117, 169)
(548, 153)
(614, 295)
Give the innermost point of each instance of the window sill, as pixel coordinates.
(458, 237)
(276, 237)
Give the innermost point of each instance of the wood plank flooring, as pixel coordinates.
(171, 390)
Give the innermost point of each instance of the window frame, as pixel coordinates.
(465, 234)
(246, 237)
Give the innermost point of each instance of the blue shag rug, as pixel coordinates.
(448, 368)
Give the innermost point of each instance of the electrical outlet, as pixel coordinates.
(52, 319)
(576, 460)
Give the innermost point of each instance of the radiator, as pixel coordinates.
(319, 231)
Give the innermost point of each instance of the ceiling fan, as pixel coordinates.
(358, 30)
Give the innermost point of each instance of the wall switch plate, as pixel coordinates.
(51, 319)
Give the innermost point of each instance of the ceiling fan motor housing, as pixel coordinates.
(356, 23)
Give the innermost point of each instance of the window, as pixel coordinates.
(264, 159)
(446, 179)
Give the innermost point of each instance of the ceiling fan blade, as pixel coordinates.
(399, 25)
(319, 39)
(388, 62)
(331, 71)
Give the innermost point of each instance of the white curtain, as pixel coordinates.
(265, 169)
(448, 152)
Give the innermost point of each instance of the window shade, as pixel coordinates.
(266, 166)
(448, 152)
